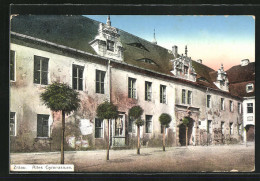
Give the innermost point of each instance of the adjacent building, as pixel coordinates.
(104, 63)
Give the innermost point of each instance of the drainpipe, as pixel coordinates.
(109, 80)
(109, 94)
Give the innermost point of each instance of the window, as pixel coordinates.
(208, 101)
(199, 122)
(131, 125)
(240, 129)
(12, 124)
(110, 45)
(183, 96)
(40, 70)
(222, 104)
(185, 70)
(77, 79)
(231, 106)
(42, 125)
(147, 60)
(163, 94)
(249, 87)
(209, 126)
(148, 91)
(132, 88)
(148, 123)
(250, 118)
(12, 65)
(98, 128)
(222, 127)
(189, 100)
(239, 108)
(100, 77)
(249, 107)
(162, 129)
(231, 128)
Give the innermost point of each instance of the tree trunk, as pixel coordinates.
(108, 139)
(62, 138)
(138, 140)
(186, 136)
(163, 137)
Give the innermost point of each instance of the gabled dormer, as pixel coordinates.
(107, 43)
(222, 80)
(182, 66)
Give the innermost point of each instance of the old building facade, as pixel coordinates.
(104, 63)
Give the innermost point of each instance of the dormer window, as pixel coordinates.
(138, 45)
(110, 45)
(147, 60)
(203, 79)
(249, 87)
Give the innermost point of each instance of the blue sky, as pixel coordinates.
(214, 39)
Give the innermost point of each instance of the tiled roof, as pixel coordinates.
(240, 73)
(203, 74)
(239, 89)
(77, 31)
(239, 76)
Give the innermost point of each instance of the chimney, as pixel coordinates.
(199, 61)
(244, 62)
(175, 50)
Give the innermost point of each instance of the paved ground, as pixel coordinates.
(222, 158)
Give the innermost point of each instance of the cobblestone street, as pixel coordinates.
(219, 158)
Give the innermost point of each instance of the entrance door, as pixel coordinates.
(250, 134)
(118, 131)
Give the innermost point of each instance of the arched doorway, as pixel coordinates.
(182, 132)
(250, 132)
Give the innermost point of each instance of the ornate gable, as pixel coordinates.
(107, 42)
(182, 67)
(222, 80)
